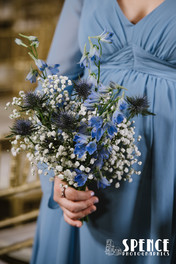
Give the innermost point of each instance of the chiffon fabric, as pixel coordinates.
(142, 58)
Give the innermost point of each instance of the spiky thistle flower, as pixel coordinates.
(32, 101)
(82, 88)
(138, 105)
(64, 121)
(22, 127)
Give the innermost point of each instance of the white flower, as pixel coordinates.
(77, 164)
(67, 173)
(117, 185)
(45, 151)
(126, 170)
(87, 169)
(92, 161)
(82, 168)
(53, 133)
(90, 176)
(59, 168)
(139, 138)
(72, 156)
(13, 150)
(23, 146)
(42, 137)
(39, 172)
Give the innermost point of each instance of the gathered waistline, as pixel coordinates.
(135, 58)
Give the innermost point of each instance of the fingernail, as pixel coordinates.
(92, 193)
(93, 210)
(96, 201)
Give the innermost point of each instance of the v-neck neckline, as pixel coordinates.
(142, 19)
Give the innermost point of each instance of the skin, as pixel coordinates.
(135, 10)
(78, 204)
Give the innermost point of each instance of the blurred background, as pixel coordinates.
(20, 192)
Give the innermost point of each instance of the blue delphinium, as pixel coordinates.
(91, 147)
(97, 131)
(82, 145)
(85, 60)
(106, 36)
(111, 128)
(53, 69)
(103, 183)
(94, 53)
(80, 178)
(122, 104)
(32, 76)
(42, 65)
(118, 117)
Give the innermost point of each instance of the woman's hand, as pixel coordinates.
(75, 204)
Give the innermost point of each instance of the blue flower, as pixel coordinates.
(104, 153)
(96, 121)
(53, 69)
(122, 104)
(103, 183)
(99, 162)
(80, 149)
(84, 61)
(82, 145)
(32, 75)
(94, 53)
(94, 97)
(111, 128)
(97, 133)
(91, 147)
(80, 178)
(103, 89)
(92, 79)
(41, 64)
(117, 117)
(106, 36)
(80, 138)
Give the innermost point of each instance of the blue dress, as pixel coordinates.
(143, 59)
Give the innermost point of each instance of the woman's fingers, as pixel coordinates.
(81, 214)
(75, 195)
(71, 193)
(77, 206)
(71, 222)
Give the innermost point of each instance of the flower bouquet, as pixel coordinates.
(84, 135)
